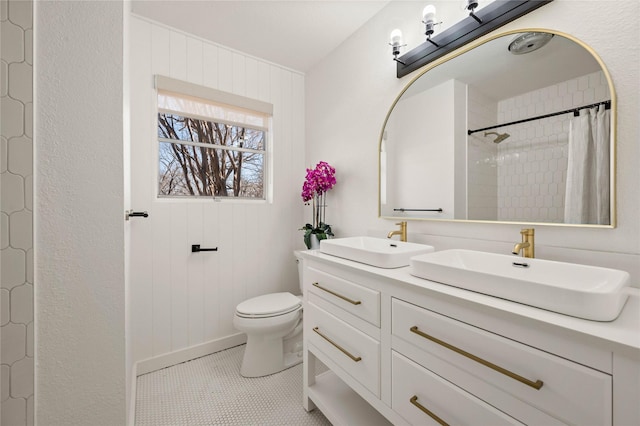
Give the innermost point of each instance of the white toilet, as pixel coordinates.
(273, 323)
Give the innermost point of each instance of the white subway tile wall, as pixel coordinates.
(532, 163)
(16, 217)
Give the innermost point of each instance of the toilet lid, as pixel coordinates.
(269, 304)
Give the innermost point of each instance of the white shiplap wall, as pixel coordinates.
(182, 300)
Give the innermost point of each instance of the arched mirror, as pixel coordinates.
(517, 129)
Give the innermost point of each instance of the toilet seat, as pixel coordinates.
(269, 305)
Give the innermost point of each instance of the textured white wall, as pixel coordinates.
(180, 299)
(412, 163)
(79, 226)
(350, 92)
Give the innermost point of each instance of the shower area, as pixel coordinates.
(518, 149)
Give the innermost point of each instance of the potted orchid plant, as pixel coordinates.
(316, 184)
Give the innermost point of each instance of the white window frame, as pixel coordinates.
(233, 101)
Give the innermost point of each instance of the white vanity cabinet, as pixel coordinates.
(422, 397)
(342, 330)
(351, 349)
(347, 295)
(402, 350)
(551, 389)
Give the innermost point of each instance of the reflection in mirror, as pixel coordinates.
(517, 129)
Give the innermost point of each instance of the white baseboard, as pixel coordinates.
(131, 421)
(167, 360)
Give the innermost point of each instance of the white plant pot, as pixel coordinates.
(315, 242)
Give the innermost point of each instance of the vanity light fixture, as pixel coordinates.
(429, 21)
(492, 16)
(396, 43)
(471, 6)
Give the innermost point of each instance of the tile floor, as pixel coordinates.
(210, 391)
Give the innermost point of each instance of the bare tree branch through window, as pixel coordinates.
(205, 158)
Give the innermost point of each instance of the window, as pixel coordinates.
(209, 148)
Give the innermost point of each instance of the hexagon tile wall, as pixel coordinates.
(16, 203)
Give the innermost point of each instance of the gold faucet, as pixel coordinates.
(527, 245)
(402, 231)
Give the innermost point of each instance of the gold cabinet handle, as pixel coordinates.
(414, 401)
(353, 302)
(536, 385)
(343, 350)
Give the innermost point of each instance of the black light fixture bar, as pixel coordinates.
(493, 16)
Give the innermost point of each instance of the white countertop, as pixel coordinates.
(623, 333)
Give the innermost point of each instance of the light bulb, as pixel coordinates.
(471, 5)
(396, 37)
(429, 13)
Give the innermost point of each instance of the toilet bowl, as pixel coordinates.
(273, 324)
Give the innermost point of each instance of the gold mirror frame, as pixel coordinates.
(471, 46)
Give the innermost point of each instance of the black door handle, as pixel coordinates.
(131, 213)
(195, 248)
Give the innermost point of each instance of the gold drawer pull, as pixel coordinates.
(353, 302)
(536, 385)
(414, 401)
(343, 350)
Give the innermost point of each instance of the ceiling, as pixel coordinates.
(293, 33)
(498, 74)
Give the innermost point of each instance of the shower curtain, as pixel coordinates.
(587, 191)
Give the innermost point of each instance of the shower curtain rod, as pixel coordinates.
(575, 111)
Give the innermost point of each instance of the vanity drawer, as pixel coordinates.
(565, 390)
(418, 394)
(355, 352)
(353, 298)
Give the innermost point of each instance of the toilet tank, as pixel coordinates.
(299, 261)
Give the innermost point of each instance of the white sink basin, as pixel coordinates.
(587, 292)
(380, 252)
